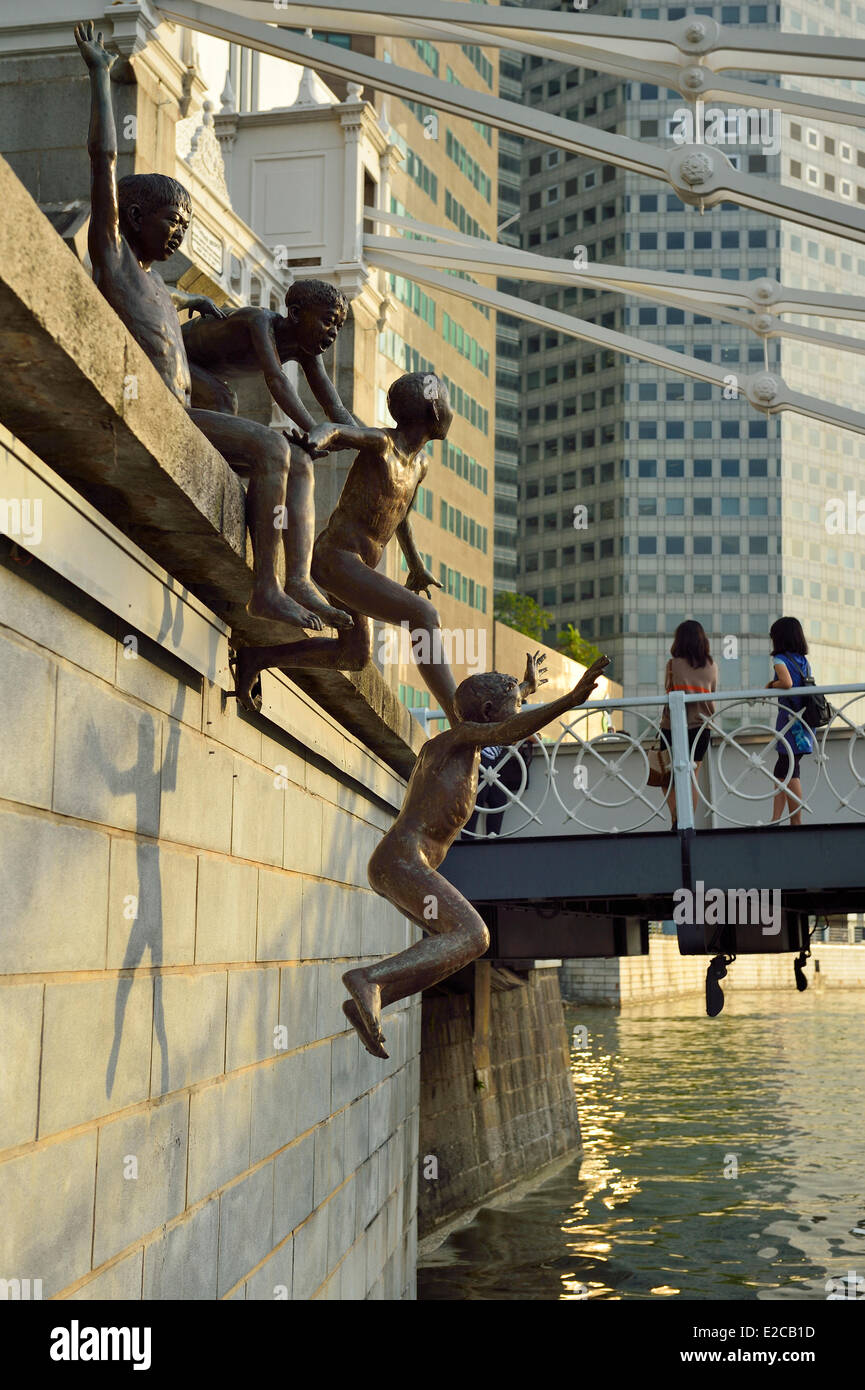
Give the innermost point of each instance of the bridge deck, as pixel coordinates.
(817, 868)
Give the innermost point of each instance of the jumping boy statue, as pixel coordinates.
(438, 801)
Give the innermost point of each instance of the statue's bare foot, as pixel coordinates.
(274, 604)
(367, 998)
(306, 593)
(352, 1013)
(247, 678)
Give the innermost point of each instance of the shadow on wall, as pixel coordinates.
(146, 908)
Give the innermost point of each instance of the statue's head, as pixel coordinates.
(421, 398)
(488, 698)
(318, 311)
(154, 214)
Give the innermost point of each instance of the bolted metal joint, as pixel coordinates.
(764, 390)
(696, 35)
(694, 81)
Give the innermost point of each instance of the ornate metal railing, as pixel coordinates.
(599, 784)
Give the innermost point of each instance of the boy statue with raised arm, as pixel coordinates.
(438, 801)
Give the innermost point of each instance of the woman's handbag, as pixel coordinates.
(659, 766)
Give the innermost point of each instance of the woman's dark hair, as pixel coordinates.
(691, 642)
(787, 636)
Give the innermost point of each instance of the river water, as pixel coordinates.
(723, 1159)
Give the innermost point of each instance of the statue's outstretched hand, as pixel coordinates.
(536, 666)
(319, 440)
(420, 581)
(584, 687)
(92, 50)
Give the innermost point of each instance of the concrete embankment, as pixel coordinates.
(492, 1118)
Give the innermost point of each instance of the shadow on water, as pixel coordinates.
(722, 1160)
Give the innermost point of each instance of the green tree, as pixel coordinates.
(522, 613)
(576, 647)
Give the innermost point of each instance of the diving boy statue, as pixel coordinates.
(439, 798)
(133, 223)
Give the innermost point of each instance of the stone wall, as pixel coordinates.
(665, 973)
(184, 1112)
(484, 1140)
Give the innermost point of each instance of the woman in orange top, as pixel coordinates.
(692, 670)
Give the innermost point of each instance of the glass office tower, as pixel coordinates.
(697, 506)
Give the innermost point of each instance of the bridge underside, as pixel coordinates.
(593, 895)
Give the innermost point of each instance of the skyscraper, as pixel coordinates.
(508, 343)
(447, 177)
(697, 506)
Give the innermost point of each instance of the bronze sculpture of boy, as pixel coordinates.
(438, 801)
(373, 507)
(256, 342)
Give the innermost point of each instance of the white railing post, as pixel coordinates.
(681, 760)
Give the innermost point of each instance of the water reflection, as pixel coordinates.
(722, 1161)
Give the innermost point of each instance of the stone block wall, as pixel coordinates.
(665, 973)
(483, 1140)
(184, 1112)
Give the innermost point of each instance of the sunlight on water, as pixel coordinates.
(722, 1160)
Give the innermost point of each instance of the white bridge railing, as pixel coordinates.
(599, 784)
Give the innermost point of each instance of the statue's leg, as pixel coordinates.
(458, 936)
(350, 651)
(264, 453)
(350, 581)
(298, 534)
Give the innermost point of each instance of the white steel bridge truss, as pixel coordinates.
(691, 56)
